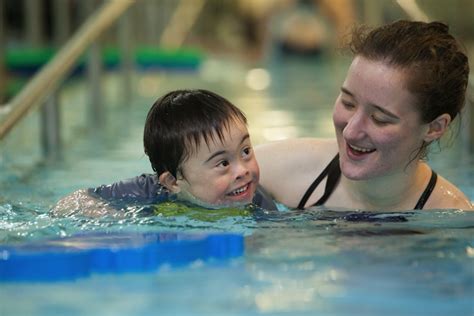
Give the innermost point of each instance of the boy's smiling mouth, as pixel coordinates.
(240, 191)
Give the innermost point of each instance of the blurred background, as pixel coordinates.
(77, 77)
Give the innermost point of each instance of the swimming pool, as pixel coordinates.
(299, 263)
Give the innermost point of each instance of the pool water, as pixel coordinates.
(301, 263)
(316, 262)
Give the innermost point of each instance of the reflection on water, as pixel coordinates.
(336, 264)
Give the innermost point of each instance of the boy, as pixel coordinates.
(199, 147)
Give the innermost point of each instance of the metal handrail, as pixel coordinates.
(49, 77)
(181, 22)
(412, 9)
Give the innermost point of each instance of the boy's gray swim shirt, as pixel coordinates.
(147, 189)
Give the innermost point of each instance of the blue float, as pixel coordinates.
(81, 255)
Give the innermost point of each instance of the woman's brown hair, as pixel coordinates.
(435, 63)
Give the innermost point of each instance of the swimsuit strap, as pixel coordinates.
(426, 194)
(333, 172)
(333, 179)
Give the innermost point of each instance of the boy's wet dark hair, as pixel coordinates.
(178, 122)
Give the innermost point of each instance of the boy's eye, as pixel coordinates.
(246, 151)
(223, 163)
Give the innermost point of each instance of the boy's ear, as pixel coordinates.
(169, 182)
(437, 127)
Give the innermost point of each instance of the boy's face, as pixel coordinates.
(222, 174)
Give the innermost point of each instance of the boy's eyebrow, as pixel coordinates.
(220, 152)
(381, 109)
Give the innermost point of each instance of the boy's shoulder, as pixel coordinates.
(144, 187)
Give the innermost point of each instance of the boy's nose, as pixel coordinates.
(242, 170)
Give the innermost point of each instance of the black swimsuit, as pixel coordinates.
(333, 172)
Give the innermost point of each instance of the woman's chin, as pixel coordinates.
(352, 173)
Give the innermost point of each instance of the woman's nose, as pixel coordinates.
(355, 127)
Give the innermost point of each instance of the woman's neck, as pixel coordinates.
(398, 191)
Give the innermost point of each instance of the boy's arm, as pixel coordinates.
(82, 203)
(144, 188)
(95, 202)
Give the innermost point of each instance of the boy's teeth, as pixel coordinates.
(239, 191)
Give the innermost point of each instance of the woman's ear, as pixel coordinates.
(437, 127)
(169, 181)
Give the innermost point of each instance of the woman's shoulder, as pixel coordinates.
(288, 167)
(448, 196)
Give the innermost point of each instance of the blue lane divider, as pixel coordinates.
(82, 255)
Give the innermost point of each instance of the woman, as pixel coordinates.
(406, 84)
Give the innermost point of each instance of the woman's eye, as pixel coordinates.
(347, 105)
(379, 121)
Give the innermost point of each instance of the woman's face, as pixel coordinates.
(377, 125)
